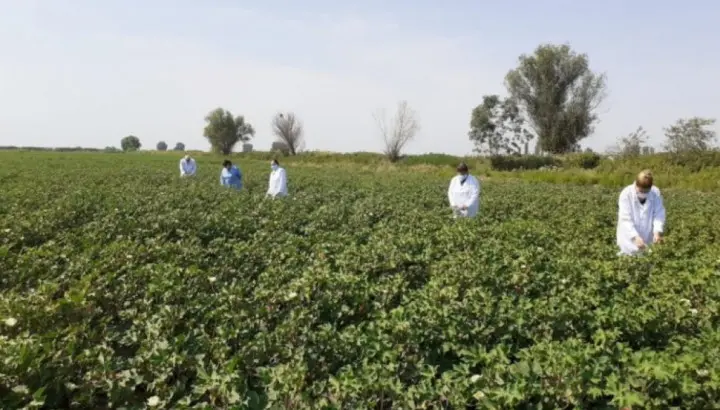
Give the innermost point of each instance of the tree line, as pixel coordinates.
(552, 100)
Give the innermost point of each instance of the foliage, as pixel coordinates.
(358, 292)
(402, 129)
(497, 127)
(632, 144)
(558, 93)
(130, 143)
(288, 130)
(517, 162)
(223, 130)
(162, 146)
(690, 135)
(584, 160)
(179, 147)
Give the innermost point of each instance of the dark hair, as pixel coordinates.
(462, 167)
(274, 161)
(227, 162)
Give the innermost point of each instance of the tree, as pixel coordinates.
(223, 130)
(632, 144)
(401, 130)
(648, 150)
(179, 147)
(161, 146)
(130, 143)
(496, 127)
(690, 135)
(558, 93)
(289, 130)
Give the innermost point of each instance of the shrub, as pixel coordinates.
(525, 162)
(585, 160)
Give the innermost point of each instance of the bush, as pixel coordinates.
(585, 160)
(518, 163)
(696, 161)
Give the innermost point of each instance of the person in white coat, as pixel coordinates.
(277, 186)
(187, 166)
(464, 193)
(641, 215)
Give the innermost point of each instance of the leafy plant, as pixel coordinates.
(359, 291)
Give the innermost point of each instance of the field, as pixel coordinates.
(122, 286)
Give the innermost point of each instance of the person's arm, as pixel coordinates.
(221, 179)
(283, 181)
(474, 193)
(272, 184)
(182, 167)
(624, 216)
(450, 194)
(659, 215)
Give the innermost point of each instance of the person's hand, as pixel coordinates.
(657, 237)
(638, 241)
(463, 207)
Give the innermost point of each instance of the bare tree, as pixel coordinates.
(289, 131)
(401, 130)
(632, 144)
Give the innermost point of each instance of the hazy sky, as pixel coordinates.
(87, 73)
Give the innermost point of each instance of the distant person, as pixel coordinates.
(464, 193)
(277, 186)
(230, 175)
(187, 166)
(641, 215)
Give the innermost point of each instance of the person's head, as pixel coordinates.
(643, 183)
(227, 164)
(274, 164)
(462, 169)
(187, 157)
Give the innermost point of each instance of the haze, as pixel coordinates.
(87, 73)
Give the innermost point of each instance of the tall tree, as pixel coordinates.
(558, 93)
(497, 127)
(179, 147)
(402, 128)
(130, 143)
(289, 130)
(162, 146)
(690, 135)
(223, 130)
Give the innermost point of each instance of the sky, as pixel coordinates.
(87, 73)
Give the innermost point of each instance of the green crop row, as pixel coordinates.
(122, 286)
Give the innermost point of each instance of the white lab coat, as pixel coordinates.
(636, 219)
(467, 194)
(277, 186)
(187, 167)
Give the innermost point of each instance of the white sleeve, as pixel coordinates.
(474, 193)
(624, 216)
(659, 215)
(271, 184)
(450, 193)
(182, 168)
(283, 181)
